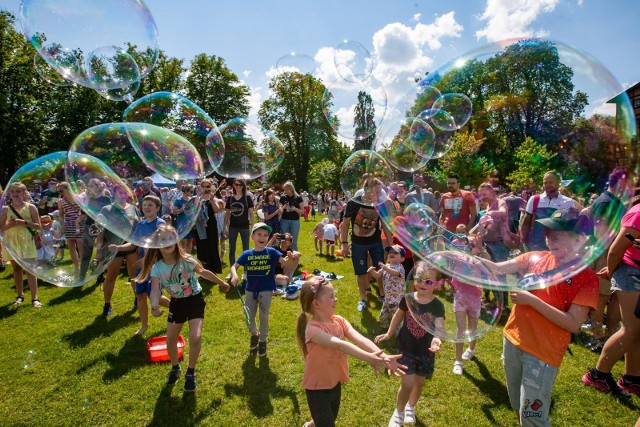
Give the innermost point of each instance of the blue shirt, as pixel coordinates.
(144, 232)
(260, 267)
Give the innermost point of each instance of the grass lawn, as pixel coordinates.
(65, 364)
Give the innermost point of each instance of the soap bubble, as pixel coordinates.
(28, 359)
(111, 67)
(365, 176)
(43, 262)
(353, 61)
(296, 64)
(250, 150)
(48, 73)
(457, 105)
(121, 94)
(182, 116)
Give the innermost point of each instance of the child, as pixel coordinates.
(170, 267)
(19, 221)
(323, 344)
(392, 282)
(318, 235)
(182, 221)
(144, 232)
(47, 252)
(313, 211)
(330, 234)
(260, 267)
(415, 343)
(58, 235)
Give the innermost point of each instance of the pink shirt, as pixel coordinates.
(325, 367)
(631, 219)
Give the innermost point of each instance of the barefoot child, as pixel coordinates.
(392, 282)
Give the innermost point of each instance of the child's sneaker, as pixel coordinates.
(362, 305)
(253, 343)
(468, 354)
(262, 348)
(409, 414)
(397, 419)
(106, 310)
(603, 382)
(190, 383)
(174, 375)
(457, 367)
(629, 387)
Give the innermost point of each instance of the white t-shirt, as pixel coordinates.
(330, 232)
(560, 202)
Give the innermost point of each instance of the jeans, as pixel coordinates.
(529, 383)
(291, 226)
(233, 237)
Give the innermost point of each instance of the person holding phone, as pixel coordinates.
(291, 204)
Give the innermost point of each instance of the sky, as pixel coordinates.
(404, 38)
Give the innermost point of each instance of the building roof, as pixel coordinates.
(633, 87)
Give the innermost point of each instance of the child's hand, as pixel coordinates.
(376, 361)
(234, 281)
(112, 248)
(370, 269)
(604, 273)
(435, 344)
(381, 338)
(522, 297)
(381, 264)
(156, 312)
(391, 363)
(224, 286)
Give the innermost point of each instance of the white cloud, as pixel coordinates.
(512, 18)
(246, 73)
(417, 17)
(255, 100)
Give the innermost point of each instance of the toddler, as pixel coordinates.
(392, 282)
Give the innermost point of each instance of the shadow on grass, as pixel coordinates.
(494, 390)
(132, 355)
(100, 327)
(171, 410)
(258, 386)
(8, 310)
(74, 294)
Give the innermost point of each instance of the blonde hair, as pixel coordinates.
(308, 294)
(290, 186)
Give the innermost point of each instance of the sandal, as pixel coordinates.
(36, 303)
(19, 300)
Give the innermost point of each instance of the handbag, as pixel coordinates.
(36, 237)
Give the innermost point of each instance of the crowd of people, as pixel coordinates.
(507, 233)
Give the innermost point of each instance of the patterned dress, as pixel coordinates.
(71, 213)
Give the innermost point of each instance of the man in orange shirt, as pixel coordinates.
(457, 206)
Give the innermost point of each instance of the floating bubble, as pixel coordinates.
(422, 138)
(106, 153)
(28, 359)
(250, 150)
(440, 119)
(464, 316)
(297, 64)
(67, 34)
(355, 110)
(48, 73)
(121, 94)
(111, 67)
(364, 177)
(43, 262)
(180, 115)
(353, 61)
(457, 105)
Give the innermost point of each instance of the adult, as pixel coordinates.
(169, 197)
(515, 205)
(272, 211)
(49, 198)
(401, 195)
(73, 228)
(419, 195)
(95, 201)
(207, 227)
(457, 206)
(238, 218)
(366, 234)
(292, 207)
(147, 187)
(542, 206)
(320, 201)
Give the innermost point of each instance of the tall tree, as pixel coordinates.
(363, 121)
(463, 158)
(532, 160)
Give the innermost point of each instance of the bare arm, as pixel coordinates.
(473, 214)
(618, 248)
(505, 267)
(525, 225)
(570, 320)
(212, 277)
(329, 341)
(396, 320)
(155, 294)
(234, 274)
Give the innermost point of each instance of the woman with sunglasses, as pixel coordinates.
(207, 238)
(238, 218)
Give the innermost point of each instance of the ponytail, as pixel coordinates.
(307, 295)
(301, 327)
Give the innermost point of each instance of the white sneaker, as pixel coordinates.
(409, 414)
(457, 367)
(397, 419)
(278, 291)
(362, 304)
(468, 354)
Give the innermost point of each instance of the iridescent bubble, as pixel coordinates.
(250, 150)
(355, 110)
(47, 72)
(298, 64)
(439, 119)
(180, 115)
(121, 94)
(457, 105)
(111, 67)
(422, 138)
(365, 176)
(43, 262)
(429, 292)
(66, 33)
(353, 61)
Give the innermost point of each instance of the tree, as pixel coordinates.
(363, 121)
(294, 114)
(216, 89)
(323, 174)
(463, 159)
(532, 160)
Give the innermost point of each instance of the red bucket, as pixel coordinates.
(157, 347)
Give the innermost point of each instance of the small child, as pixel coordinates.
(313, 211)
(58, 235)
(170, 267)
(392, 282)
(323, 344)
(414, 342)
(260, 267)
(47, 252)
(318, 235)
(330, 236)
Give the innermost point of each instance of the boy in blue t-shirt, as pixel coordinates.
(260, 265)
(143, 235)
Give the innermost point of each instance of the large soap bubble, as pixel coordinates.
(49, 74)
(180, 115)
(296, 65)
(365, 176)
(86, 255)
(75, 38)
(353, 61)
(250, 150)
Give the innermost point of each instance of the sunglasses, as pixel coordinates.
(427, 282)
(237, 184)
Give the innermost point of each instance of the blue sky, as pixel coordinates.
(405, 37)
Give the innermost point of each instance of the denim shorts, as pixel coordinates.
(359, 256)
(421, 365)
(626, 278)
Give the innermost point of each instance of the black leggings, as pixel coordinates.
(324, 405)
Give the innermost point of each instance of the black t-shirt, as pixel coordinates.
(52, 201)
(287, 201)
(96, 205)
(365, 223)
(239, 208)
(412, 337)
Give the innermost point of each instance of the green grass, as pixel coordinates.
(67, 365)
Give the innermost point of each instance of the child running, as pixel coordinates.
(415, 343)
(392, 283)
(170, 267)
(322, 341)
(318, 235)
(260, 266)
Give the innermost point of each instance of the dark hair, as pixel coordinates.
(616, 176)
(188, 188)
(554, 173)
(454, 176)
(152, 198)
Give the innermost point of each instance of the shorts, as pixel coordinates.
(359, 256)
(605, 284)
(421, 365)
(124, 254)
(330, 242)
(626, 278)
(144, 287)
(182, 310)
(467, 303)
